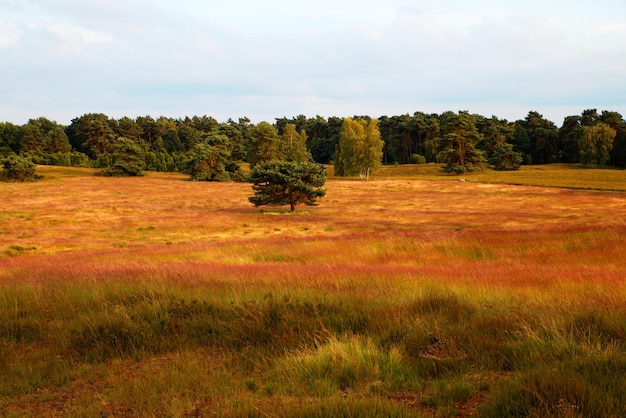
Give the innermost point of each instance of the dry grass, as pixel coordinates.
(461, 281)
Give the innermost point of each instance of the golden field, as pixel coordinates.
(413, 294)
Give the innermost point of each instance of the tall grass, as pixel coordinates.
(392, 298)
(341, 365)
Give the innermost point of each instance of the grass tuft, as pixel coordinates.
(341, 365)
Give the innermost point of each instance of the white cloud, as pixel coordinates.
(10, 34)
(283, 58)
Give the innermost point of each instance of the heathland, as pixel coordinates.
(412, 294)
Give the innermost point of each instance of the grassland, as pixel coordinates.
(412, 294)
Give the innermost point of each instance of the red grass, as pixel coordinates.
(363, 236)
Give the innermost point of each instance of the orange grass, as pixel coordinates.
(389, 242)
(73, 227)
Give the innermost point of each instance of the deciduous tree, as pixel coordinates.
(293, 144)
(616, 121)
(360, 148)
(596, 144)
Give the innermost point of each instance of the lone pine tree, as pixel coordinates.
(277, 183)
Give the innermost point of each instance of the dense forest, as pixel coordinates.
(166, 144)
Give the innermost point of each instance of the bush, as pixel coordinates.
(505, 159)
(17, 168)
(459, 169)
(418, 159)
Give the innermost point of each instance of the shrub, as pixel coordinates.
(459, 169)
(418, 159)
(17, 168)
(505, 159)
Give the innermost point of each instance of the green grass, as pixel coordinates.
(441, 347)
(571, 176)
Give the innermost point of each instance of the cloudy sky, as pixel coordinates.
(266, 59)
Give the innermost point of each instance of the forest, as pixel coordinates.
(596, 139)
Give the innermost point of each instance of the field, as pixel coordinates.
(412, 294)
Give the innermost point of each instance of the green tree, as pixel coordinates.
(596, 144)
(149, 129)
(127, 159)
(263, 144)
(323, 137)
(505, 158)
(458, 146)
(211, 161)
(91, 134)
(543, 136)
(16, 168)
(293, 144)
(33, 139)
(10, 139)
(277, 183)
(34, 135)
(521, 143)
(360, 148)
(57, 141)
(204, 123)
(497, 132)
(396, 139)
(569, 135)
(42, 136)
(616, 121)
(129, 129)
(167, 135)
(235, 136)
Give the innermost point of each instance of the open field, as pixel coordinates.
(412, 294)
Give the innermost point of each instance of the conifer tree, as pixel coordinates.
(457, 147)
(277, 183)
(127, 159)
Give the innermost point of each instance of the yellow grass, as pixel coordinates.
(573, 176)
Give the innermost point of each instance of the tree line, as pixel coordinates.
(212, 150)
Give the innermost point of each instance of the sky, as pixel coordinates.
(268, 59)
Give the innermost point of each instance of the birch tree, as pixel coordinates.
(360, 148)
